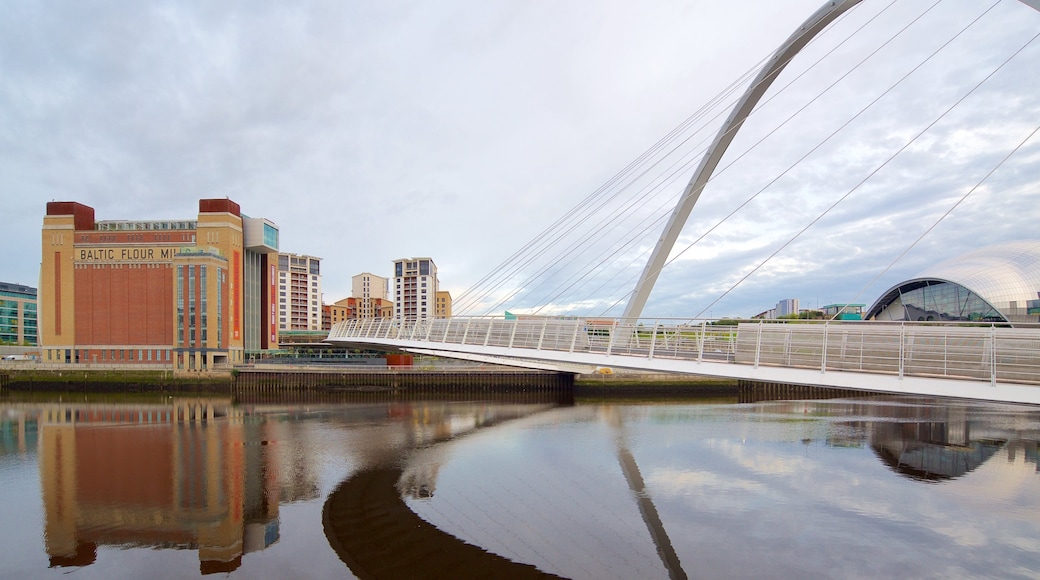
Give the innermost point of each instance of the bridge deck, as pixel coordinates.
(982, 362)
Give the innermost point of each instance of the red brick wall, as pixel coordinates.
(83, 215)
(124, 305)
(219, 206)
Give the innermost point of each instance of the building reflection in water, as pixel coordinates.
(927, 443)
(191, 475)
(930, 443)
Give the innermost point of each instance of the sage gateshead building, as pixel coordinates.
(998, 283)
(188, 294)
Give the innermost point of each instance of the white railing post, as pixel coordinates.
(465, 332)
(823, 365)
(541, 337)
(512, 334)
(487, 335)
(415, 326)
(703, 338)
(902, 341)
(653, 340)
(613, 334)
(429, 331)
(447, 327)
(758, 344)
(574, 339)
(993, 355)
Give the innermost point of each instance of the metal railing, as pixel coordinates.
(993, 353)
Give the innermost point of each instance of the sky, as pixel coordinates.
(460, 130)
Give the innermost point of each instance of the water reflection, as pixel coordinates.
(189, 475)
(373, 531)
(526, 488)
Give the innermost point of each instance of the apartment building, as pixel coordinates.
(371, 294)
(299, 292)
(442, 306)
(414, 288)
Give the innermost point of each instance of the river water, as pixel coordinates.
(523, 486)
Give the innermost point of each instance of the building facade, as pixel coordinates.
(17, 315)
(368, 289)
(349, 309)
(157, 292)
(260, 290)
(442, 307)
(843, 311)
(415, 288)
(299, 292)
(787, 307)
(998, 283)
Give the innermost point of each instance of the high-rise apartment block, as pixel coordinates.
(299, 292)
(17, 314)
(371, 293)
(190, 293)
(415, 287)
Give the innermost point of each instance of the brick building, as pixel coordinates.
(172, 293)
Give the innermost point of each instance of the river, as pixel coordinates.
(521, 486)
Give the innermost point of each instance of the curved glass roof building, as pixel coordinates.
(995, 284)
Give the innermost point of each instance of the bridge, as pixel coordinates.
(973, 361)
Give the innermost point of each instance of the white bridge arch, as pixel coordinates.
(754, 93)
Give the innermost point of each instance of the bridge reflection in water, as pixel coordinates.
(372, 528)
(426, 488)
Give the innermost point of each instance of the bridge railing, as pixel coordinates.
(985, 353)
(647, 338)
(992, 353)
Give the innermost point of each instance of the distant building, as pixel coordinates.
(369, 289)
(787, 307)
(17, 314)
(349, 308)
(299, 292)
(415, 287)
(993, 284)
(766, 315)
(326, 317)
(341, 310)
(184, 293)
(843, 311)
(442, 307)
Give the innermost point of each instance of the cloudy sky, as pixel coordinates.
(460, 130)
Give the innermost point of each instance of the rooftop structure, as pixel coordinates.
(998, 283)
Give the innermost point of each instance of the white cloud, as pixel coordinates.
(461, 129)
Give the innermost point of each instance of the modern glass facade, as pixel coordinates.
(18, 321)
(271, 236)
(934, 300)
(994, 284)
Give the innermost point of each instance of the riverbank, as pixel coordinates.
(634, 387)
(585, 387)
(111, 381)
